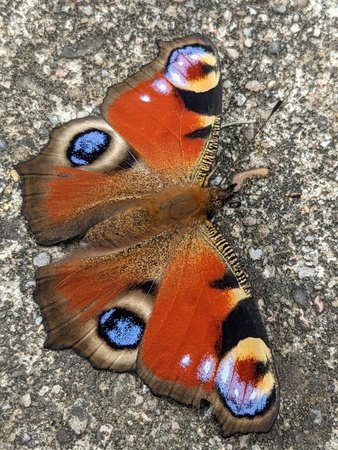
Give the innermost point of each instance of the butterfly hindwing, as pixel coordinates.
(169, 111)
(206, 340)
(99, 302)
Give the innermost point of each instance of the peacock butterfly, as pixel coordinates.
(158, 290)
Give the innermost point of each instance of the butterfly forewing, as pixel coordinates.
(170, 109)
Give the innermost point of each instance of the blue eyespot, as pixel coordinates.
(86, 147)
(181, 62)
(241, 397)
(120, 328)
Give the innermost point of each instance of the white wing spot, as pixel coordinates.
(145, 98)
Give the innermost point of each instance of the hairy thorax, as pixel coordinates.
(179, 206)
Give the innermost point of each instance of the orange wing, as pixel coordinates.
(206, 340)
(85, 174)
(169, 111)
(99, 302)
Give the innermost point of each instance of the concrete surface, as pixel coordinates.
(57, 60)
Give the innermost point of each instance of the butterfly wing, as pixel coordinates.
(99, 302)
(86, 173)
(206, 339)
(169, 111)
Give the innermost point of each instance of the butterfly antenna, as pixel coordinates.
(240, 156)
(274, 109)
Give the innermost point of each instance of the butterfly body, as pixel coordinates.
(157, 290)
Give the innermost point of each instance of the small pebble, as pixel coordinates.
(24, 437)
(331, 284)
(25, 400)
(255, 253)
(56, 389)
(295, 28)
(138, 400)
(63, 436)
(316, 32)
(254, 86)
(87, 10)
(243, 441)
(311, 258)
(233, 54)
(274, 47)
(175, 426)
(300, 296)
(228, 16)
(248, 43)
(5, 407)
(306, 272)
(77, 424)
(240, 99)
(78, 416)
(309, 238)
(303, 320)
(14, 175)
(249, 221)
(103, 433)
(269, 271)
(43, 391)
(280, 9)
(263, 231)
(297, 236)
(38, 320)
(60, 73)
(318, 302)
(42, 259)
(317, 416)
(256, 447)
(3, 144)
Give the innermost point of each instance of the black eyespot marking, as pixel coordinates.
(228, 281)
(148, 287)
(120, 328)
(207, 68)
(129, 161)
(262, 369)
(87, 146)
(200, 133)
(243, 322)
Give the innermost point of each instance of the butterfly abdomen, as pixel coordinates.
(176, 207)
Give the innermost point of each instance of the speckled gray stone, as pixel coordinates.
(255, 253)
(254, 86)
(274, 47)
(57, 60)
(3, 144)
(41, 259)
